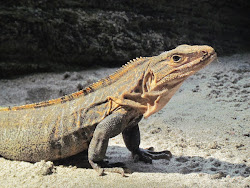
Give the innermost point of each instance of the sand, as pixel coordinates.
(205, 126)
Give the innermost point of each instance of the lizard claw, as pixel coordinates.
(147, 155)
(142, 157)
(100, 171)
(102, 166)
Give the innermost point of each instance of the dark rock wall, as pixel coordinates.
(55, 35)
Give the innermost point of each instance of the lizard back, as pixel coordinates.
(62, 127)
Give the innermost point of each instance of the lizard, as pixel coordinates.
(87, 119)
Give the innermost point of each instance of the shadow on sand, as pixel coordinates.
(178, 164)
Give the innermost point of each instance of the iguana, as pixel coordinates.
(87, 119)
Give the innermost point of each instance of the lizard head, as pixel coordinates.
(167, 72)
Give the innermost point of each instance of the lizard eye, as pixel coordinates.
(176, 58)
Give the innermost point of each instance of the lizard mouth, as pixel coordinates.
(205, 60)
(189, 69)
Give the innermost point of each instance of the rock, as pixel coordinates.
(213, 145)
(44, 168)
(218, 175)
(57, 35)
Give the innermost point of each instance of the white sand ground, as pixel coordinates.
(205, 126)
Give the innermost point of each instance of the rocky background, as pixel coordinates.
(56, 35)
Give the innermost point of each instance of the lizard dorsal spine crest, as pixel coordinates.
(93, 87)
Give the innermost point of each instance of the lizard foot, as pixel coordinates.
(147, 155)
(102, 166)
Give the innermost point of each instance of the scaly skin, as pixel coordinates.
(63, 127)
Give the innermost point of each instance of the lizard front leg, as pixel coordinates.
(109, 127)
(131, 137)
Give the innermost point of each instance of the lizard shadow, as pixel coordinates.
(79, 160)
(177, 164)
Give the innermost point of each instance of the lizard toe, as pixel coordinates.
(147, 155)
(142, 156)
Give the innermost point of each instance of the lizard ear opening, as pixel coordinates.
(148, 81)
